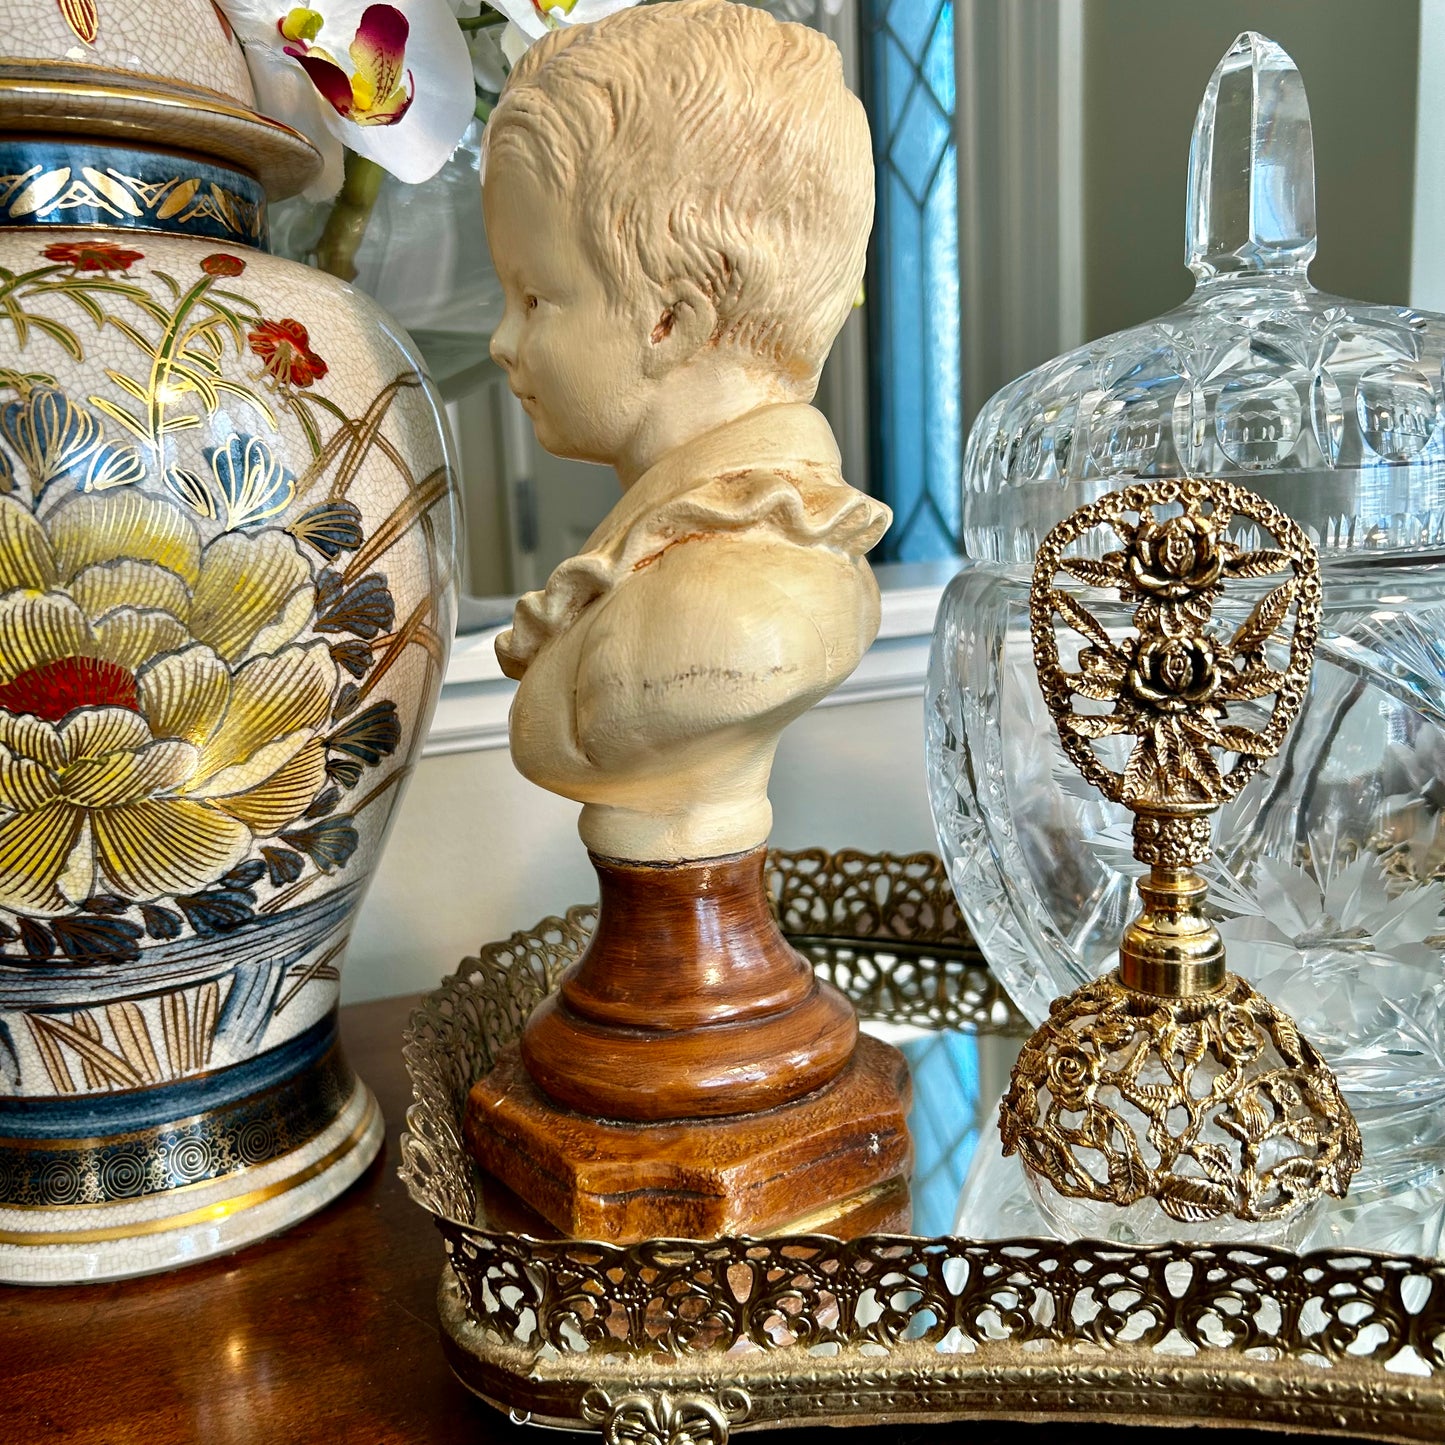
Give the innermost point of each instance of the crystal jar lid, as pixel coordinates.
(1331, 408)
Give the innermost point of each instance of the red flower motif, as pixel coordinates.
(82, 17)
(220, 264)
(285, 350)
(92, 255)
(55, 689)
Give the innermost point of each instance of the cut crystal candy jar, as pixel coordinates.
(1328, 876)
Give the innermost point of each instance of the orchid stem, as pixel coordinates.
(487, 18)
(350, 214)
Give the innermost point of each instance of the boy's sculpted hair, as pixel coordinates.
(705, 141)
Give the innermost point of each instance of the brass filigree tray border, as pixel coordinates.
(684, 1342)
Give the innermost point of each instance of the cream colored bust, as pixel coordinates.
(678, 199)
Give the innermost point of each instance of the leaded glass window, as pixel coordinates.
(917, 441)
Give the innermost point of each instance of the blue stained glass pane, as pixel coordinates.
(925, 536)
(902, 422)
(922, 136)
(941, 316)
(944, 1069)
(938, 66)
(912, 22)
(913, 286)
(898, 79)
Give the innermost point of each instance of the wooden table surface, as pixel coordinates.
(325, 1334)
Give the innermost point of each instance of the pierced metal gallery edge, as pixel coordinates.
(684, 1342)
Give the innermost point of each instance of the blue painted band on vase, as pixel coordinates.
(101, 1148)
(73, 183)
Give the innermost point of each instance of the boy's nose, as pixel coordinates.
(503, 347)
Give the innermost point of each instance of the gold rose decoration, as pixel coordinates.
(1169, 685)
(1171, 1079)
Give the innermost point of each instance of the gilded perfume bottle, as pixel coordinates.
(1169, 1099)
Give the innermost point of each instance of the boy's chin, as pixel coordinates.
(568, 448)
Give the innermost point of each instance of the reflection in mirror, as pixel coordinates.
(957, 1080)
(1058, 221)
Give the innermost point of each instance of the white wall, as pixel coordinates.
(1427, 251)
(478, 852)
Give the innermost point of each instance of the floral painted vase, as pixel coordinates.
(225, 552)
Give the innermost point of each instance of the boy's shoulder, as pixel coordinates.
(801, 502)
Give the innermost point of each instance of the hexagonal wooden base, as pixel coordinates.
(699, 1178)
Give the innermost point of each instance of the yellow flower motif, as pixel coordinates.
(157, 711)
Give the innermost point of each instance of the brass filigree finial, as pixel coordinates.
(1169, 1078)
(1171, 684)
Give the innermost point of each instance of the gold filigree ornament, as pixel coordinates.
(1170, 1079)
(660, 1417)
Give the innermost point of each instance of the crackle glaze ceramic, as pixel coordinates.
(170, 44)
(225, 542)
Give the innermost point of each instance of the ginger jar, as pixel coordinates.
(225, 604)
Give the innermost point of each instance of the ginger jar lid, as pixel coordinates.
(1331, 408)
(163, 73)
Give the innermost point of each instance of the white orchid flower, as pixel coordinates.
(391, 82)
(489, 62)
(530, 20)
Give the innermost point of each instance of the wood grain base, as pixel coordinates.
(840, 1149)
(885, 1208)
(687, 1002)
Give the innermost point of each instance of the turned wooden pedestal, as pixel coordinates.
(692, 1076)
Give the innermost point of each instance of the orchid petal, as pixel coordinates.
(285, 93)
(515, 42)
(530, 20)
(584, 12)
(489, 66)
(379, 51)
(416, 146)
(253, 21)
(333, 165)
(411, 129)
(389, 113)
(331, 81)
(523, 17)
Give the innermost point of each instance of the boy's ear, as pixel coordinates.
(684, 326)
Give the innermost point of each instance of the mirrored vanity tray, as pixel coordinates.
(685, 1341)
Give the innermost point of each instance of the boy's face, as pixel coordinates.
(573, 357)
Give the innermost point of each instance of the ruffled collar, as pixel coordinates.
(775, 469)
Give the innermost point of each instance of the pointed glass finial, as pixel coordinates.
(1252, 166)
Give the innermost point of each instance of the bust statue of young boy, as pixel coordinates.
(678, 199)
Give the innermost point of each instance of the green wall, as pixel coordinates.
(1146, 65)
